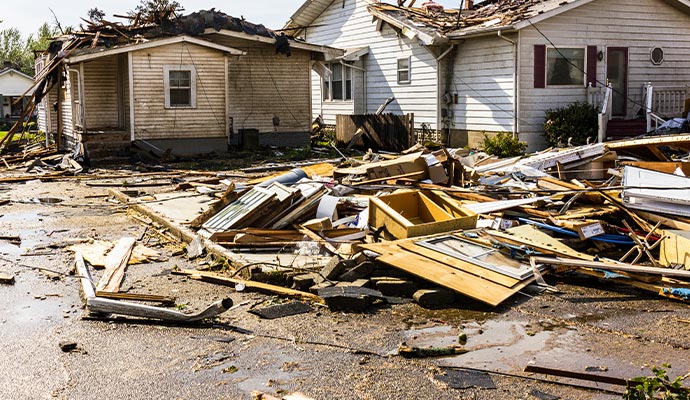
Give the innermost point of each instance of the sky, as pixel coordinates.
(28, 15)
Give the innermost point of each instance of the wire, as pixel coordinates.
(509, 113)
(203, 88)
(633, 101)
(288, 108)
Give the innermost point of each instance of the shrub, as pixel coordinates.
(503, 145)
(577, 121)
(658, 386)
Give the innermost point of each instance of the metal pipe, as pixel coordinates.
(438, 79)
(515, 83)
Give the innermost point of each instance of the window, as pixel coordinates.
(339, 85)
(657, 55)
(404, 70)
(180, 86)
(565, 67)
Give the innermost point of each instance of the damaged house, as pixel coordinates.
(194, 84)
(499, 65)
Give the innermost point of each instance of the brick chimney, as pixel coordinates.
(469, 4)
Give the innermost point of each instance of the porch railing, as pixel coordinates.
(600, 98)
(664, 102)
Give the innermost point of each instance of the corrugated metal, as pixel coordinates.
(238, 210)
(152, 119)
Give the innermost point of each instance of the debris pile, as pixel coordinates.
(438, 226)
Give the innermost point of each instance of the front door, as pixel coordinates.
(617, 76)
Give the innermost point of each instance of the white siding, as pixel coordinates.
(66, 104)
(14, 84)
(639, 26)
(152, 120)
(348, 24)
(482, 78)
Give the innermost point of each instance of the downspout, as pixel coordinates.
(515, 82)
(364, 80)
(438, 87)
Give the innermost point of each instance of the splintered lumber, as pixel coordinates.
(100, 305)
(452, 273)
(115, 265)
(258, 286)
(228, 197)
(154, 298)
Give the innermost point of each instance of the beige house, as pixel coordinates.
(192, 94)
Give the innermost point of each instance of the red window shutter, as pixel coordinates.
(592, 65)
(539, 66)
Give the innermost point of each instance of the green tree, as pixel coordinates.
(20, 52)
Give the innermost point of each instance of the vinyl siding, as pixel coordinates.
(348, 24)
(482, 78)
(152, 120)
(639, 26)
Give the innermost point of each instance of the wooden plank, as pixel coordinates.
(452, 278)
(115, 265)
(137, 297)
(460, 264)
(669, 222)
(258, 286)
(578, 375)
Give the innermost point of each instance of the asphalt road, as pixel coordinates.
(589, 325)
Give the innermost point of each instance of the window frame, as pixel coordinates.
(408, 70)
(584, 67)
(192, 85)
(327, 84)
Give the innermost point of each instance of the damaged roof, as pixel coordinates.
(101, 35)
(490, 15)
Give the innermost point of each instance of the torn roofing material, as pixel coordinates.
(486, 16)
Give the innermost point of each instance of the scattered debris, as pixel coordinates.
(6, 279)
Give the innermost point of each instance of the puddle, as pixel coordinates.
(504, 345)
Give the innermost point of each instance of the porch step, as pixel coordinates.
(620, 129)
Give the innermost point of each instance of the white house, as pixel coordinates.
(381, 61)
(13, 84)
(499, 65)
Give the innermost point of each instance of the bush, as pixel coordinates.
(658, 386)
(577, 121)
(503, 145)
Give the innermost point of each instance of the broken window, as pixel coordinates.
(180, 86)
(404, 70)
(339, 85)
(565, 66)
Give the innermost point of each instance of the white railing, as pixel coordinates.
(600, 98)
(664, 102)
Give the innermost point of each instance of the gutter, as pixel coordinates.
(438, 88)
(515, 82)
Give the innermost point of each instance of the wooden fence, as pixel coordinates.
(394, 131)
